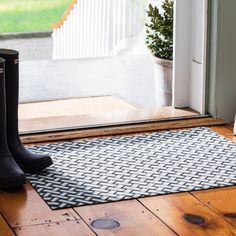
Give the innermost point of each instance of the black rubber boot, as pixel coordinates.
(10, 173)
(29, 162)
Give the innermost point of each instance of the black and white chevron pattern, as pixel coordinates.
(125, 167)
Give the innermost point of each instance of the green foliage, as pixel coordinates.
(159, 30)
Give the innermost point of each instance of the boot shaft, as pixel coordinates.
(3, 138)
(11, 58)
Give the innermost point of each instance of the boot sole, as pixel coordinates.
(13, 185)
(38, 168)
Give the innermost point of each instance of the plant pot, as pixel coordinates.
(163, 81)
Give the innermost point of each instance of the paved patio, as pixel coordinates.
(128, 77)
(30, 48)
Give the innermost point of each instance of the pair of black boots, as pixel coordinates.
(15, 159)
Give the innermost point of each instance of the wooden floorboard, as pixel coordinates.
(132, 217)
(188, 216)
(224, 131)
(88, 112)
(222, 201)
(209, 212)
(5, 229)
(58, 114)
(72, 107)
(67, 228)
(24, 206)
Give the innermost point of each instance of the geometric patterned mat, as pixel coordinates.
(125, 167)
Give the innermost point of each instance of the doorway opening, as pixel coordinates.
(100, 71)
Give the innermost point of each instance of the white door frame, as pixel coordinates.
(189, 67)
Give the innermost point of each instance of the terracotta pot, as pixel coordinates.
(163, 81)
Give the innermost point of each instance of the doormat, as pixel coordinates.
(126, 167)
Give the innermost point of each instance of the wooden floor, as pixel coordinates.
(89, 112)
(209, 212)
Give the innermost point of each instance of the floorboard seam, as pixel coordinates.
(12, 229)
(85, 222)
(212, 209)
(157, 217)
(47, 223)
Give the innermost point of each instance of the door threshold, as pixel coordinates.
(120, 129)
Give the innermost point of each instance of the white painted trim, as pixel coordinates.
(190, 40)
(181, 57)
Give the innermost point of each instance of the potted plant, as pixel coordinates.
(159, 39)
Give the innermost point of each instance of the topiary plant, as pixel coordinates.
(159, 32)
